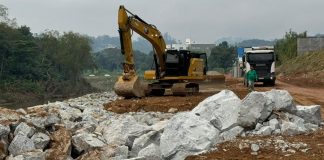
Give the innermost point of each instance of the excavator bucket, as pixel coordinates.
(129, 88)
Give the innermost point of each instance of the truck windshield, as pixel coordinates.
(260, 57)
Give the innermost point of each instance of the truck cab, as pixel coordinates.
(263, 60)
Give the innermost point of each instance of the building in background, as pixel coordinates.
(309, 44)
(193, 46)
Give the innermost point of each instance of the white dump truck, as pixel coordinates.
(263, 59)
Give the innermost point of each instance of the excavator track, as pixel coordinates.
(184, 89)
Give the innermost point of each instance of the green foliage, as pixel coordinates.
(111, 60)
(18, 59)
(222, 56)
(39, 64)
(286, 48)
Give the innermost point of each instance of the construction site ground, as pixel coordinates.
(303, 93)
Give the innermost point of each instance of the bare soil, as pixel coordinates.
(154, 104)
(303, 95)
(231, 150)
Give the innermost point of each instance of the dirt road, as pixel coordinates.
(302, 95)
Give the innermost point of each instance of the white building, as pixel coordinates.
(192, 46)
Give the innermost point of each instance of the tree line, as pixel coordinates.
(43, 63)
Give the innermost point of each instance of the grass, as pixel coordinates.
(311, 62)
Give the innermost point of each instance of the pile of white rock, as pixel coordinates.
(224, 116)
(82, 129)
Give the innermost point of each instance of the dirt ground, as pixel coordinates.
(303, 95)
(231, 150)
(164, 103)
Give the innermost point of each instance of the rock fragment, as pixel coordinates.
(40, 140)
(255, 147)
(23, 128)
(311, 114)
(21, 144)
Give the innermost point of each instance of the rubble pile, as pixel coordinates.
(82, 129)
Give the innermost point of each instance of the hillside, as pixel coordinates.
(304, 69)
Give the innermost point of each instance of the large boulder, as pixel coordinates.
(40, 140)
(86, 141)
(187, 134)
(143, 141)
(66, 112)
(220, 109)
(282, 100)
(255, 107)
(36, 121)
(25, 129)
(311, 114)
(21, 144)
(52, 120)
(123, 131)
(152, 151)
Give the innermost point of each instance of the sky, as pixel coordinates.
(203, 21)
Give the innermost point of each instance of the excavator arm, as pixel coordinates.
(128, 85)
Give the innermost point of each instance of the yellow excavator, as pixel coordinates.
(178, 70)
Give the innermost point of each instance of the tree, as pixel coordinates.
(19, 56)
(222, 56)
(67, 54)
(4, 17)
(286, 48)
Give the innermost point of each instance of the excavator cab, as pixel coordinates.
(178, 62)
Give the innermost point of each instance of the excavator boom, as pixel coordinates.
(129, 85)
